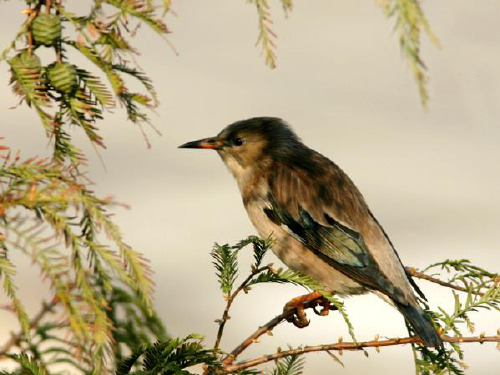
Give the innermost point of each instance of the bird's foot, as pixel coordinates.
(299, 304)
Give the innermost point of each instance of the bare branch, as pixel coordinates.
(340, 346)
(420, 275)
(230, 299)
(269, 326)
(266, 328)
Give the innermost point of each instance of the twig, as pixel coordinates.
(266, 328)
(350, 346)
(269, 326)
(280, 318)
(423, 276)
(230, 299)
(15, 338)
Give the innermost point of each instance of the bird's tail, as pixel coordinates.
(421, 324)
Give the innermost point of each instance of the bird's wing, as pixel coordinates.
(323, 211)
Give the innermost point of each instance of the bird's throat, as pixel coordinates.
(236, 167)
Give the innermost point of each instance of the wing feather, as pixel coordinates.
(327, 220)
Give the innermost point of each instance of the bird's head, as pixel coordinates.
(249, 144)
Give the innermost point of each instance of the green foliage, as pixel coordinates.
(292, 365)
(173, 356)
(135, 324)
(28, 365)
(101, 307)
(100, 313)
(7, 272)
(64, 94)
(48, 214)
(481, 292)
(226, 265)
(136, 327)
(101, 37)
(266, 35)
(410, 22)
(51, 343)
(260, 248)
(436, 361)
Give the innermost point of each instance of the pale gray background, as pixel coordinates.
(431, 179)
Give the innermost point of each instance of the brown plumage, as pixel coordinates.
(321, 222)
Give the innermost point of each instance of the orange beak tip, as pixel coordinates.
(207, 144)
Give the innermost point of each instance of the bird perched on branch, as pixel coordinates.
(321, 222)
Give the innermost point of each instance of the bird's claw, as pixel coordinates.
(326, 306)
(298, 305)
(322, 312)
(299, 317)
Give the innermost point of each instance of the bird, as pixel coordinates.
(321, 223)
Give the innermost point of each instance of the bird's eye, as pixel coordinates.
(238, 141)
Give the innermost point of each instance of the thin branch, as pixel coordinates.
(230, 299)
(16, 338)
(266, 328)
(423, 276)
(340, 346)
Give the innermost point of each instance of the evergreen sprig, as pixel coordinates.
(48, 214)
(287, 5)
(173, 356)
(29, 365)
(134, 327)
(480, 291)
(226, 265)
(7, 273)
(266, 37)
(410, 23)
(64, 94)
(47, 211)
(292, 365)
(226, 270)
(135, 324)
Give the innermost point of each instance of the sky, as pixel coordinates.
(431, 178)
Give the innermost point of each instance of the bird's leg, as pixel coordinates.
(299, 304)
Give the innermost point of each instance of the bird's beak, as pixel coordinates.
(207, 143)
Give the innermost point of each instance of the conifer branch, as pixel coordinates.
(287, 6)
(225, 315)
(15, 338)
(410, 22)
(64, 94)
(266, 34)
(481, 287)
